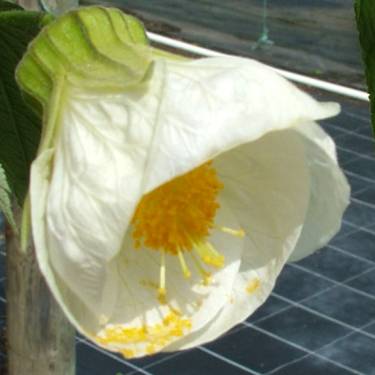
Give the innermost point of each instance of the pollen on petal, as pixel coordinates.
(146, 339)
(253, 285)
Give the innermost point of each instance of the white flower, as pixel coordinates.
(163, 213)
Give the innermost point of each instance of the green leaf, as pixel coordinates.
(7, 5)
(5, 203)
(365, 16)
(19, 126)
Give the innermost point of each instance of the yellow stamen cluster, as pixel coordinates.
(176, 218)
(178, 214)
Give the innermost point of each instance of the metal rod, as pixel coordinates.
(296, 77)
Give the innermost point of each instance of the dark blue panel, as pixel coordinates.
(332, 129)
(334, 264)
(297, 284)
(352, 142)
(303, 328)
(366, 131)
(345, 305)
(365, 283)
(92, 362)
(367, 195)
(363, 166)
(270, 307)
(195, 362)
(255, 350)
(355, 351)
(360, 243)
(150, 359)
(345, 156)
(370, 328)
(345, 229)
(357, 184)
(312, 365)
(360, 214)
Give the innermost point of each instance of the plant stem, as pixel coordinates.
(40, 339)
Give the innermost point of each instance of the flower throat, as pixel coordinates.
(177, 217)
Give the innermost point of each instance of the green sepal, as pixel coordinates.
(93, 48)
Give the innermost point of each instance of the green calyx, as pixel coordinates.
(94, 47)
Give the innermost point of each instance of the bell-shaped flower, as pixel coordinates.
(168, 194)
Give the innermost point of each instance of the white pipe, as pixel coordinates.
(299, 78)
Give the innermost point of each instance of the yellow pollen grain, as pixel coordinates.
(162, 296)
(253, 285)
(150, 349)
(151, 337)
(128, 353)
(179, 212)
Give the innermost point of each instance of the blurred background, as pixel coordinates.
(315, 37)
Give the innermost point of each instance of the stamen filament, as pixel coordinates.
(234, 232)
(184, 267)
(206, 276)
(162, 292)
(209, 255)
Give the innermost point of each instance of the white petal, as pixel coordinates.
(95, 183)
(135, 272)
(212, 105)
(137, 307)
(329, 191)
(39, 183)
(267, 186)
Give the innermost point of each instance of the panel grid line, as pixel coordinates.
(114, 357)
(227, 360)
(321, 315)
(302, 348)
(334, 247)
(317, 294)
(339, 283)
(314, 353)
(346, 131)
